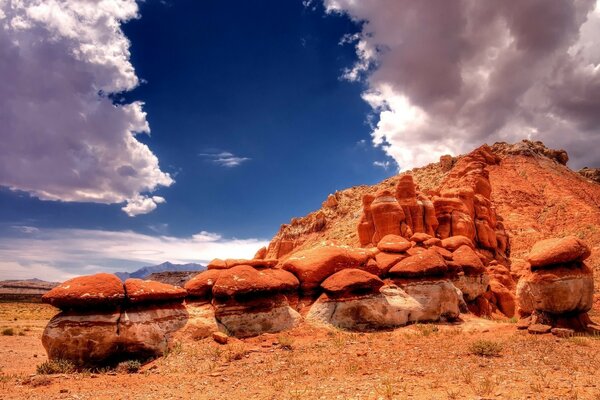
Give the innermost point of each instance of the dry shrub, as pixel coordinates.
(485, 348)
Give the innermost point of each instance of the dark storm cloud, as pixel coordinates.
(445, 76)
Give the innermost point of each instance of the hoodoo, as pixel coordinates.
(370, 258)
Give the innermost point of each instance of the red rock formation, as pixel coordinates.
(87, 292)
(141, 291)
(546, 253)
(428, 263)
(351, 282)
(200, 286)
(394, 244)
(560, 288)
(244, 280)
(313, 266)
(388, 217)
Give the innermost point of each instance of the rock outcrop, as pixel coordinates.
(558, 289)
(249, 301)
(101, 323)
(422, 246)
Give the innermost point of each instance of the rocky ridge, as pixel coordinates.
(417, 255)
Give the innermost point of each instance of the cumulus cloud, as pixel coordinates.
(444, 77)
(62, 136)
(224, 158)
(58, 254)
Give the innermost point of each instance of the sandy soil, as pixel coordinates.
(431, 361)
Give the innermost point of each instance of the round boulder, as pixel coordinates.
(468, 260)
(454, 242)
(394, 244)
(200, 286)
(312, 266)
(351, 281)
(557, 251)
(557, 291)
(427, 263)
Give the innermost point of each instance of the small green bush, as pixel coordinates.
(129, 366)
(56, 367)
(8, 332)
(485, 348)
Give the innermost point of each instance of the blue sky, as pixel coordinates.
(256, 111)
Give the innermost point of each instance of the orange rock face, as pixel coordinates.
(261, 254)
(141, 291)
(454, 242)
(387, 216)
(200, 286)
(393, 244)
(469, 262)
(244, 280)
(351, 282)
(312, 266)
(428, 263)
(557, 251)
(87, 292)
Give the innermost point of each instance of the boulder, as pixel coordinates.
(557, 291)
(443, 252)
(386, 261)
(261, 254)
(432, 242)
(557, 251)
(256, 263)
(146, 331)
(141, 291)
(244, 280)
(472, 286)
(420, 237)
(312, 266)
(394, 244)
(245, 318)
(351, 282)
(217, 263)
(99, 291)
(468, 260)
(428, 263)
(454, 242)
(539, 329)
(392, 307)
(200, 286)
(201, 322)
(95, 338)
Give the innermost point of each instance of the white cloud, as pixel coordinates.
(382, 164)
(62, 136)
(224, 158)
(142, 205)
(57, 254)
(444, 77)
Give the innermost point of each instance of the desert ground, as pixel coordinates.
(428, 361)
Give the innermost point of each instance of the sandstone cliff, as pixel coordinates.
(532, 189)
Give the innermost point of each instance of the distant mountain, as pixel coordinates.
(144, 272)
(28, 290)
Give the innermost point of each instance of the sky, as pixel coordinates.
(177, 130)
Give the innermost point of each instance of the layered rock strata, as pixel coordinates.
(558, 287)
(104, 321)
